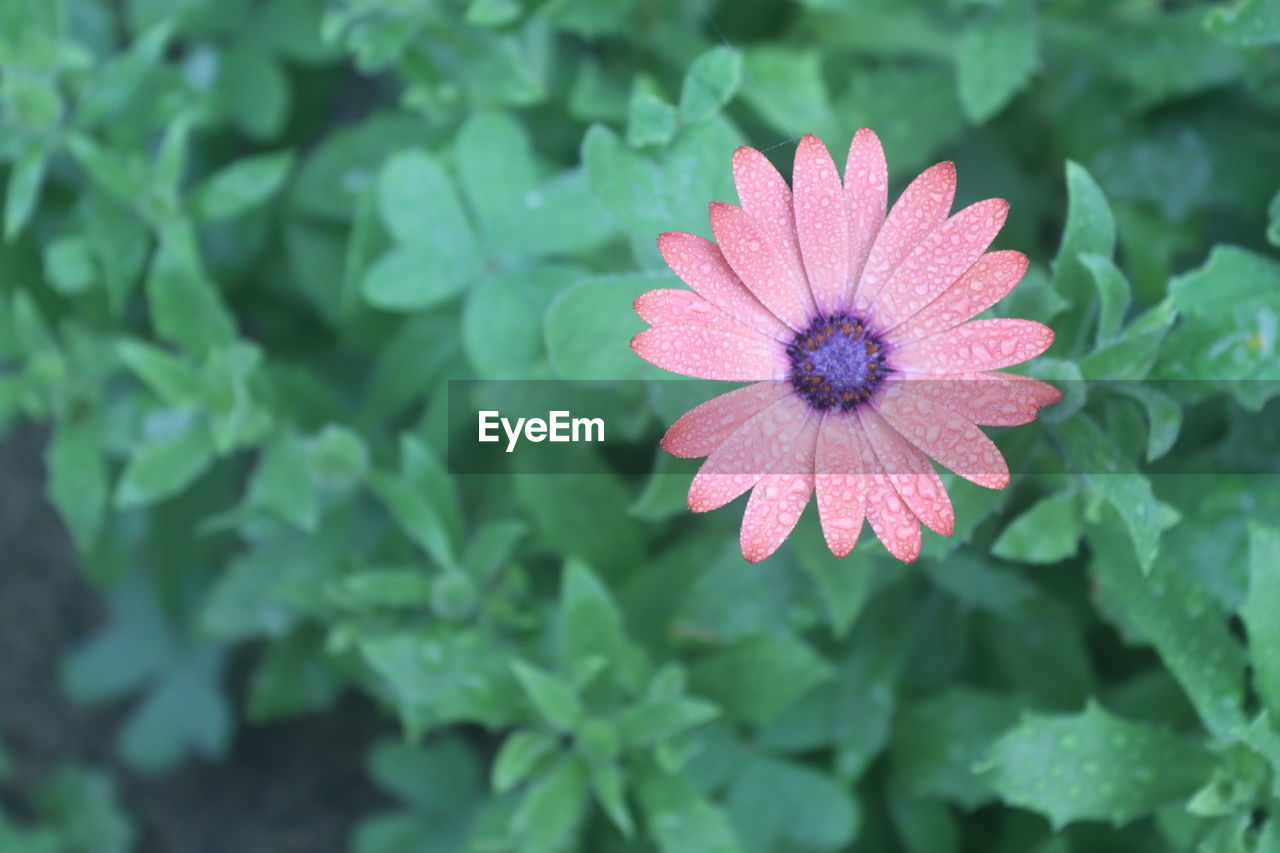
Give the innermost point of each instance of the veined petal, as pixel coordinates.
(937, 261)
(761, 265)
(866, 192)
(675, 306)
(911, 474)
(987, 399)
(765, 196)
(975, 345)
(922, 207)
(779, 498)
(708, 352)
(750, 452)
(893, 523)
(822, 223)
(955, 442)
(984, 284)
(699, 431)
(701, 266)
(841, 482)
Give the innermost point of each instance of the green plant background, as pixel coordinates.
(246, 243)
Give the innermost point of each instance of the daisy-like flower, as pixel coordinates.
(855, 329)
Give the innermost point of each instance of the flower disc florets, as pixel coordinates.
(836, 363)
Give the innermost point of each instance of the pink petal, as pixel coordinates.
(922, 207)
(983, 285)
(911, 474)
(675, 306)
(975, 345)
(894, 524)
(988, 399)
(822, 223)
(866, 191)
(939, 259)
(841, 483)
(778, 499)
(944, 435)
(708, 352)
(699, 263)
(702, 429)
(762, 267)
(764, 194)
(752, 451)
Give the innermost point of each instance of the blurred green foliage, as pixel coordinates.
(247, 241)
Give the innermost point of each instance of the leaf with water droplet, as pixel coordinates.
(1093, 766)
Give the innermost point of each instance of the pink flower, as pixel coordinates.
(855, 328)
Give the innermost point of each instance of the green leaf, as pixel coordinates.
(135, 647)
(22, 192)
(785, 86)
(1132, 355)
(292, 677)
(282, 482)
(650, 119)
(648, 196)
(521, 752)
(590, 325)
(497, 170)
(680, 819)
(169, 377)
(1273, 215)
(591, 628)
(77, 479)
(502, 323)
(913, 107)
(518, 210)
(937, 742)
(1047, 533)
(1090, 230)
(1170, 610)
(711, 82)
(982, 584)
(163, 466)
(1231, 311)
(407, 587)
(1113, 478)
(186, 712)
(1093, 766)
(1260, 612)
(1245, 21)
(69, 265)
(83, 805)
(554, 701)
(424, 502)
(652, 721)
(438, 253)
(551, 808)
(445, 675)
(844, 589)
(442, 777)
(238, 188)
(779, 805)
(254, 90)
(186, 308)
(339, 458)
(1164, 417)
(1113, 295)
(996, 59)
(755, 679)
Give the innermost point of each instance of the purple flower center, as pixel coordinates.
(836, 363)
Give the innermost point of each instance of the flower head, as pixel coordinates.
(855, 327)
